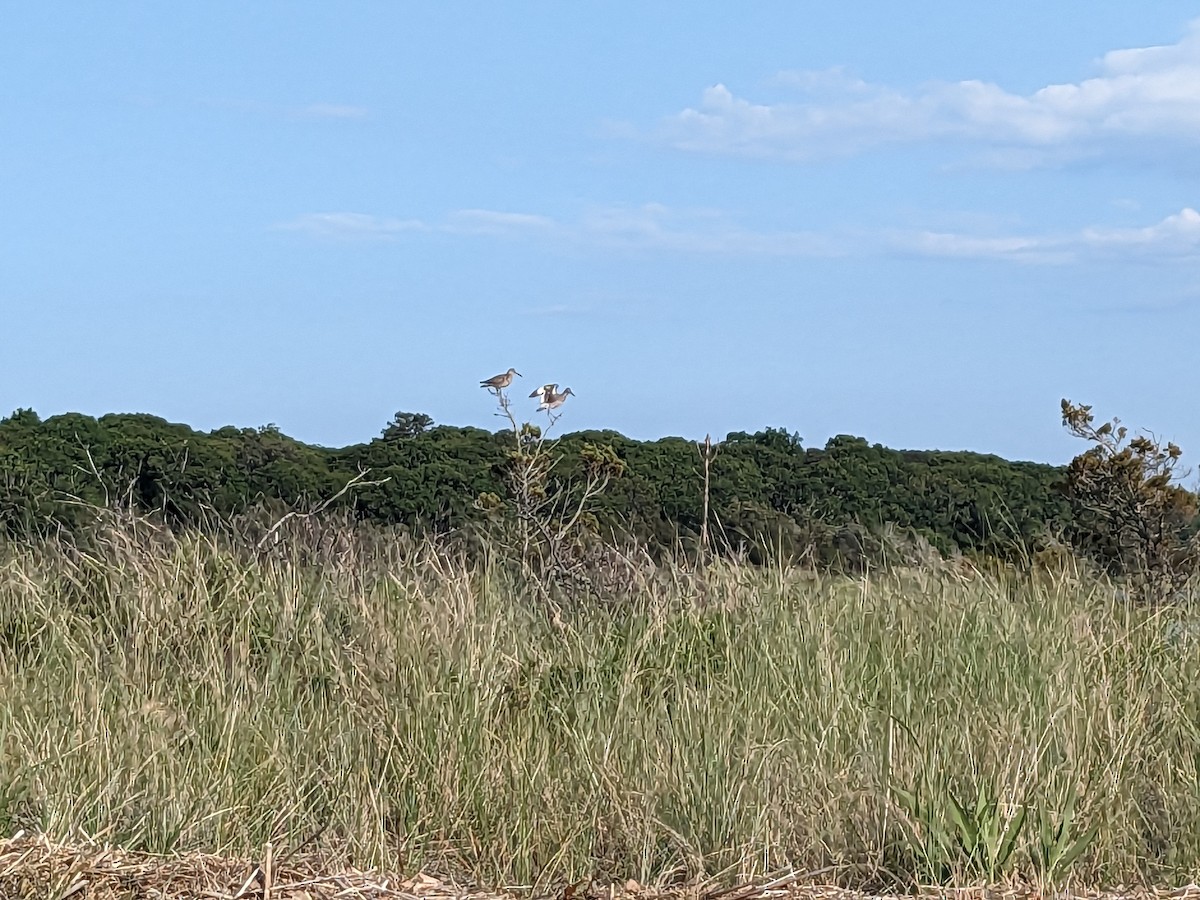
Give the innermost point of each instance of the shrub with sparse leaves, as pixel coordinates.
(1133, 517)
(546, 520)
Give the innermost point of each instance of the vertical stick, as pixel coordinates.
(268, 865)
(707, 456)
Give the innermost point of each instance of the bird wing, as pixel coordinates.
(544, 391)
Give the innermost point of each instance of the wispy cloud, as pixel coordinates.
(966, 246)
(654, 227)
(1148, 94)
(487, 221)
(351, 226)
(705, 232)
(651, 226)
(1174, 238)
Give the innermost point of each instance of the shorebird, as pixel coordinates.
(552, 400)
(544, 391)
(498, 382)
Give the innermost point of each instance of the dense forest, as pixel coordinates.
(766, 489)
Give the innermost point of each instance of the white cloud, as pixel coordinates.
(351, 225)
(650, 226)
(1175, 238)
(1141, 94)
(487, 221)
(965, 246)
(706, 232)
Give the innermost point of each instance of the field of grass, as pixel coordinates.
(188, 692)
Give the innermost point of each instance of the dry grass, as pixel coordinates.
(36, 867)
(172, 693)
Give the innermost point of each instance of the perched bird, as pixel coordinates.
(497, 382)
(544, 390)
(551, 400)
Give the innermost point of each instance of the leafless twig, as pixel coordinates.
(358, 481)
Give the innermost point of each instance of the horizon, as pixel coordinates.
(922, 226)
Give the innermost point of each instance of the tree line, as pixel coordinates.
(767, 491)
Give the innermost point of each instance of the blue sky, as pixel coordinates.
(920, 223)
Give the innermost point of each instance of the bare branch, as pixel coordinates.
(356, 482)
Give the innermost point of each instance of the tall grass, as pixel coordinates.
(170, 692)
